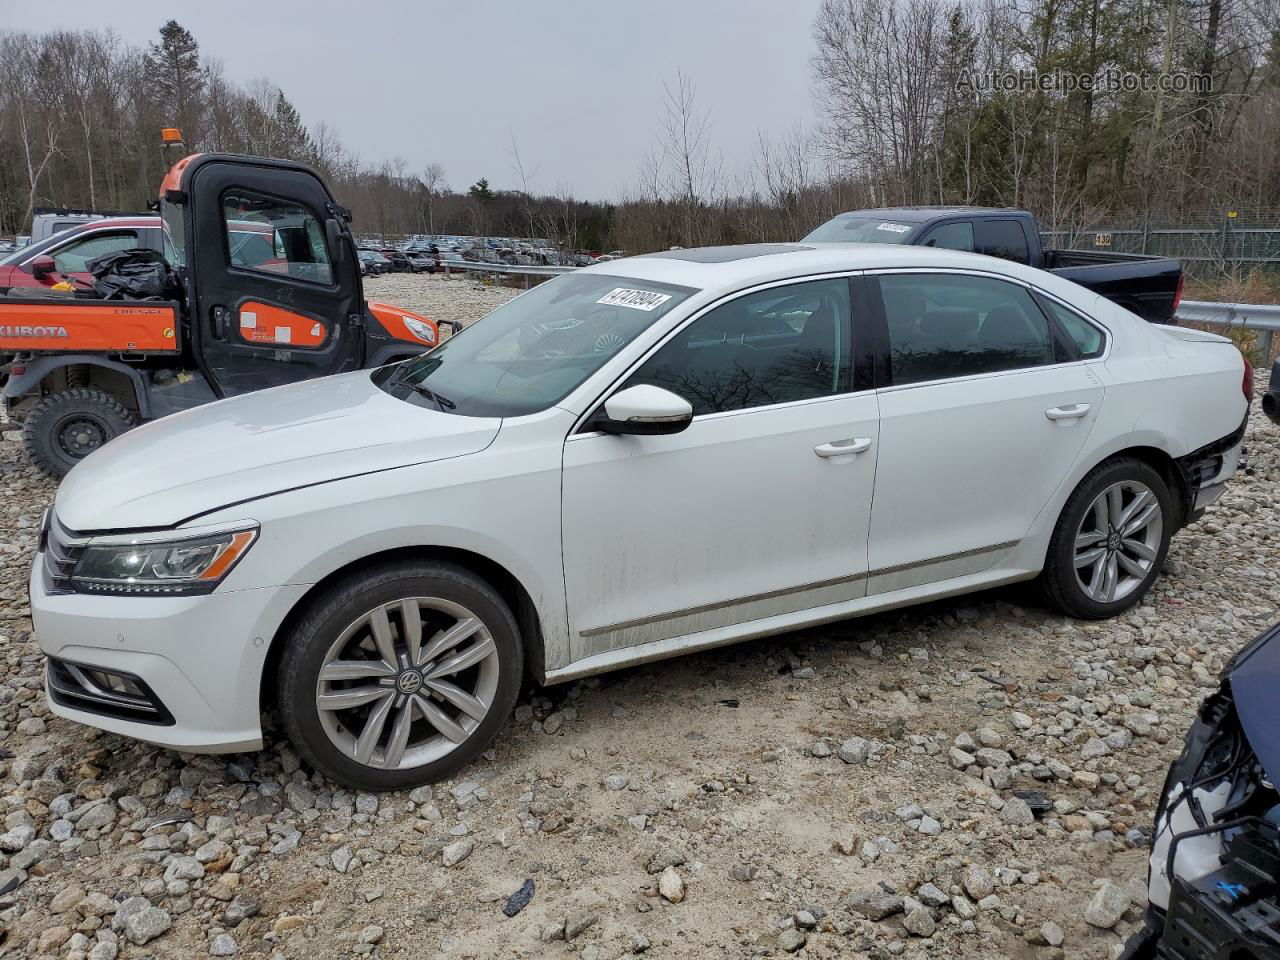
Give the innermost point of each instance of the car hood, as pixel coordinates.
(1255, 677)
(255, 445)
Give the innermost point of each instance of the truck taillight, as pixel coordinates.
(1177, 294)
(1247, 385)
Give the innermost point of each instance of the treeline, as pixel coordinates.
(80, 120)
(920, 101)
(982, 102)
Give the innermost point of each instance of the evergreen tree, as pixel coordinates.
(176, 80)
(294, 143)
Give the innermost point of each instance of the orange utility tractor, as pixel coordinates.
(266, 290)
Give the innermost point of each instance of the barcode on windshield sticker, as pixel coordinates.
(894, 227)
(635, 299)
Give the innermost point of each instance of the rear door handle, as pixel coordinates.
(843, 448)
(1072, 411)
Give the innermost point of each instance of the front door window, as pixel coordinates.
(772, 346)
(274, 236)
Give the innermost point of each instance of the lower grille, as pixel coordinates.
(109, 693)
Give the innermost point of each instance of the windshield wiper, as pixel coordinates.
(443, 404)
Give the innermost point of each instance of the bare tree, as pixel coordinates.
(692, 173)
(432, 183)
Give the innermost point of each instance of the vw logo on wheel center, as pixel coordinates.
(409, 682)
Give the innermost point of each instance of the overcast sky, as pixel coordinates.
(577, 84)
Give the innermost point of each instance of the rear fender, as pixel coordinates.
(21, 384)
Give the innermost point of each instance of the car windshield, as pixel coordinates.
(530, 353)
(862, 230)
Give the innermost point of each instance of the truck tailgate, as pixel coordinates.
(88, 326)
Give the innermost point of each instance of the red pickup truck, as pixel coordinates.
(72, 248)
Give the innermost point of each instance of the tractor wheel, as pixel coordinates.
(64, 428)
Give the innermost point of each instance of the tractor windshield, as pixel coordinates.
(175, 237)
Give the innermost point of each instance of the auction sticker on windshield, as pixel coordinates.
(635, 299)
(894, 227)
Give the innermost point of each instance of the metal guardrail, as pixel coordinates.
(1262, 317)
(481, 266)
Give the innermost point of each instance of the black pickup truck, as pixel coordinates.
(1149, 286)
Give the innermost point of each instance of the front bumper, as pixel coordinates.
(200, 657)
(1229, 914)
(1214, 881)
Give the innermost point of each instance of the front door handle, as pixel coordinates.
(843, 448)
(1072, 411)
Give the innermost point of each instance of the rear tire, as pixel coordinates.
(64, 428)
(363, 711)
(1110, 541)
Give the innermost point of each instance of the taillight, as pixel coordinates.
(1247, 385)
(1177, 294)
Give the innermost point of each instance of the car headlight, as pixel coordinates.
(423, 331)
(141, 566)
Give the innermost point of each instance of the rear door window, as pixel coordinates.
(1002, 238)
(943, 326)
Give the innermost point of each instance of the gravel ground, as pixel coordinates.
(462, 298)
(844, 791)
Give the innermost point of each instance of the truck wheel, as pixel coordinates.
(64, 428)
(400, 675)
(1110, 541)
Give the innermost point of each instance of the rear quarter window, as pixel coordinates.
(1089, 340)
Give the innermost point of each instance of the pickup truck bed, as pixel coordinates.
(1146, 285)
(1149, 286)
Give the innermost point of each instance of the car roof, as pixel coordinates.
(720, 270)
(922, 213)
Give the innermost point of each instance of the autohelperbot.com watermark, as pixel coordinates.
(1110, 80)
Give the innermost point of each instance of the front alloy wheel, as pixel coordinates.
(400, 675)
(392, 698)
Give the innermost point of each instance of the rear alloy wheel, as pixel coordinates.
(1118, 541)
(1110, 541)
(64, 428)
(401, 676)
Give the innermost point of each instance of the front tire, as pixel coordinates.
(1110, 541)
(64, 428)
(400, 675)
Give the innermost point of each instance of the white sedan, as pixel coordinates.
(656, 455)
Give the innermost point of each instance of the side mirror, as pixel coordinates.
(42, 266)
(645, 410)
(333, 233)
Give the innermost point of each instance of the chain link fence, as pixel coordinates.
(1207, 244)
